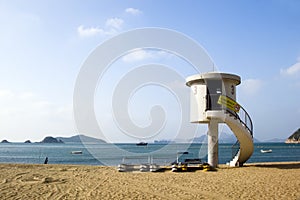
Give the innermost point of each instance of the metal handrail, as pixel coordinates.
(243, 116)
(235, 148)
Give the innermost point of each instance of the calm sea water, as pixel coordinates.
(114, 154)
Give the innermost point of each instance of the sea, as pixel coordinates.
(114, 154)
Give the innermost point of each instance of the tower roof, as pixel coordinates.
(212, 76)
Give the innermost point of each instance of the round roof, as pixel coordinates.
(212, 76)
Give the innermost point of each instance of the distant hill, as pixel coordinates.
(223, 138)
(50, 139)
(163, 141)
(294, 138)
(227, 138)
(5, 141)
(275, 140)
(80, 139)
(201, 139)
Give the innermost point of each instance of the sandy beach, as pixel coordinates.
(254, 181)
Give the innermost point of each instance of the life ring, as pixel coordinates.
(237, 107)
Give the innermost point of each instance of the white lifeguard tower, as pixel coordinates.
(213, 101)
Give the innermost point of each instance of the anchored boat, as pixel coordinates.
(142, 144)
(76, 152)
(266, 151)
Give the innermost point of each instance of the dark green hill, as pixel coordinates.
(294, 138)
(295, 135)
(50, 139)
(80, 139)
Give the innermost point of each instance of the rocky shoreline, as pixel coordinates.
(294, 138)
(292, 141)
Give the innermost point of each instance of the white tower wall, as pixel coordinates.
(198, 103)
(229, 89)
(206, 90)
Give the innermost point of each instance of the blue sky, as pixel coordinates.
(44, 43)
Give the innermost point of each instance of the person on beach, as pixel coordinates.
(46, 160)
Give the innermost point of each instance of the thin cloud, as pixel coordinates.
(33, 114)
(88, 32)
(137, 55)
(133, 11)
(251, 86)
(114, 23)
(6, 94)
(142, 54)
(292, 70)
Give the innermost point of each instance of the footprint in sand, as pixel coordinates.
(5, 181)
(30, 179)
(51, 180)
(48, 180)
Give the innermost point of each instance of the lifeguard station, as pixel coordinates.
(213, 101)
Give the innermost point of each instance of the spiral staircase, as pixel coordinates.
(241, 125)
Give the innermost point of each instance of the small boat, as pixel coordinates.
(76, 152)
(180, 167)
(155, 168)
(126, 167)
(142, 144)
(266, 151)
(145, 167)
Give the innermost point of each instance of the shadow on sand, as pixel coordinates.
(282, 165)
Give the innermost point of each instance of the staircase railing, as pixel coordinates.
(242, 116)
(245, 119)
(235, 148)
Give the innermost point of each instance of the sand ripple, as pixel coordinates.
(256, 181)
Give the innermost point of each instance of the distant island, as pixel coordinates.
(81, 139)
(50, 139)
(163, 141)
(275, 140)
(72, 139)
(294, 138)
(224, 138)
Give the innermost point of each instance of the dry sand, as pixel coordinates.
(255, 181)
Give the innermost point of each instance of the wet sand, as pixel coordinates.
(254, 181)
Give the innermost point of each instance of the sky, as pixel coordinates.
(43, 45)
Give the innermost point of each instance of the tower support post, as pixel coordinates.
(212, 143)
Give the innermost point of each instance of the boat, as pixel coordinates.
(145, 167)
(142, 144)
(126, 167)
(180, 167)
(76, 152)
(266, 151)
(155, 168)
